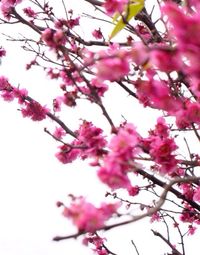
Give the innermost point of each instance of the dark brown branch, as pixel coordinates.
(172, 190)
(135, 247)
(94, 2)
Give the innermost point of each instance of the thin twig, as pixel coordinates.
(175, 251)
(135, 247)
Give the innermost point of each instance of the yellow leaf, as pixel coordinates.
(131, 11)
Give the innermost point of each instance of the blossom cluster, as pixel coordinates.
(113, 6)
(30, 108)
(7, 5)
(86, 216)
(162, 149)
(97, 242)
(119, 160)
(89, 143)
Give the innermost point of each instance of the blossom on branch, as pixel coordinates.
(86, 216)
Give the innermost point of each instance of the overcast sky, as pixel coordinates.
(32, 180)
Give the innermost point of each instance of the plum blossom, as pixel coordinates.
(123, 148)
(161, 148)
(7, 5)
(97, 242)
(112, 6)
(188, 115)
(4, 83)
(30, 12)
(2, 52)
(34, 111)
(67, 153)
(86, 217)
(188, 190)
(156, 94)
(196, 196)
(91, 137)
(119, 67)
(166, 60)
(191, 230)
(53, 38)
(59, 133)
(99, 86)
(90, 143)
(134, 190)
(97, 34)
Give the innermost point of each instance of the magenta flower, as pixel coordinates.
(67, 153)
(97, 34)
(86, 216)
(113, 6)
(30, 12)
(119, 67)
(7, 5)
(196, 196)
(34, 111)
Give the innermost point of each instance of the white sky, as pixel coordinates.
(32, 180)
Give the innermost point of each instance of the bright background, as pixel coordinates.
(31, 178)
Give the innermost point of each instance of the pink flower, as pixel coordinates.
(7, 5)
(97, 242)
(119, 67)
(188, 191)
(86, 216)
(116, 166)
(188, 214)
(71, 23)
(92, 138)
(113, 6)
(4, 84)
(2, 52)
(97, 34)
(53, 38)
(8, 95)
(155, 217)
(34, 111)
(113, 176)
(156, 94)
(161, 128)
(161, 148)
(185, 27)
(99, 86)
(67, 154)
(166, 60)
(30, 12)
(57, 104)
(125, 142)
(191, 230)
(20, 94)
(59, 133)
(194, 4)
(143, 32)
(196, 196)
(133, 191)
(188, 115)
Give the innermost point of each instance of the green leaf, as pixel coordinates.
(131, 11)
